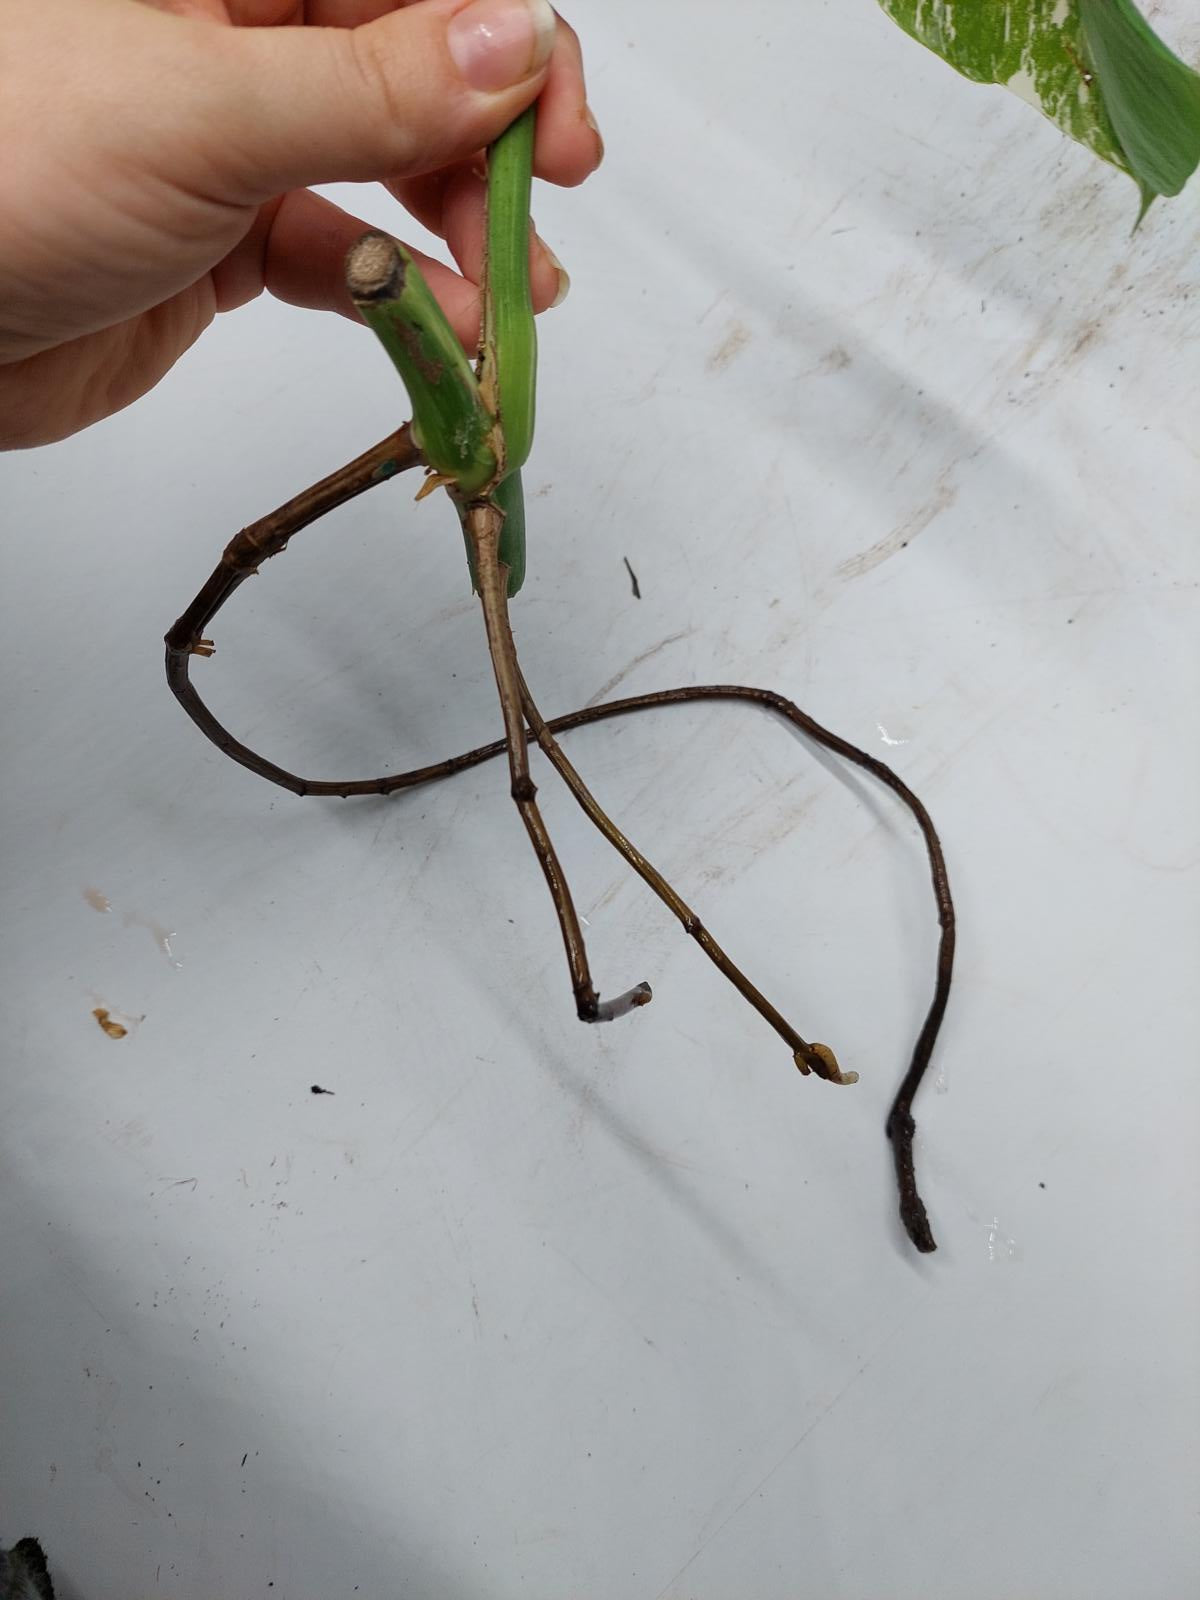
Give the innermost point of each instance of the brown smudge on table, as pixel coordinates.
(737, 337)
(97, 901)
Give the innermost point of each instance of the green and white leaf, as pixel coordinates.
(1094, 67)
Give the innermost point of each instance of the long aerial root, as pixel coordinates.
(524, 724)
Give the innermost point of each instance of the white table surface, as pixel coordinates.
(863, 373)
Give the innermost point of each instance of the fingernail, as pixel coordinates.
(564, 277)
(498, 43)
(595, 127)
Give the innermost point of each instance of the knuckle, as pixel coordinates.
(372, 67)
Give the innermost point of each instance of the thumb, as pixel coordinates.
(406, 93)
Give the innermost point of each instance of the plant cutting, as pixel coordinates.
(471, 432)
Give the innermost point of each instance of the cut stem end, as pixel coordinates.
(374, 268)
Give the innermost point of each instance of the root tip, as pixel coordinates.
(916, 1226)
(609, 1010)
(819, 1058)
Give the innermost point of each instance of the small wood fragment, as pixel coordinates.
(113, 1028)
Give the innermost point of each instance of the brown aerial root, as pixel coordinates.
(523, 725)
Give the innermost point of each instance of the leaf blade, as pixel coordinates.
(1152, 97)
(1095, 68)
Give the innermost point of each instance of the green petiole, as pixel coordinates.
(508, 358)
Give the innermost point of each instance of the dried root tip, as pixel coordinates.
(819, 1058)
(901, 1130)
(916, 1225)
(610, 1010)
(433, 480)
(374, 268)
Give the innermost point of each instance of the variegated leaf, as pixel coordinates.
(1094, 67)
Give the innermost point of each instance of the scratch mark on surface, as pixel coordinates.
(606, 898)
(106, 1463)
(179, 1183)
(435, 1117)
(619, 677)
(942, 499)
(711, 307)
(609, 1299)
(767, 1476)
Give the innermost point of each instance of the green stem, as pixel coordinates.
(451, 424)
(476, 431)
(509, 497)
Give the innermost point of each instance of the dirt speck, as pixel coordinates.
(97, 901)
(114, 1029)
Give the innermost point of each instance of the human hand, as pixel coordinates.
(157, 153)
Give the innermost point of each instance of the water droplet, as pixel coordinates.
(1000, 1246)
